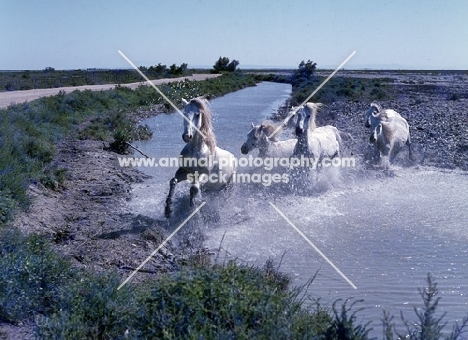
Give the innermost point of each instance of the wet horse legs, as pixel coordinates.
(180, 175)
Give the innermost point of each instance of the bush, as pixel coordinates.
(339, 88)
(7, 207)
(90, 308)
(31, 275)
(428, 325)
(54, 177)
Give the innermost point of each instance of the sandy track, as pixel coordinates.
(14, 97)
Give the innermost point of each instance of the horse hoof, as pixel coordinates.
(195, 202)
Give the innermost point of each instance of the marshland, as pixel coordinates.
(75, 223)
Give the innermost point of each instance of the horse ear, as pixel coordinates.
(253, 125)
(184, 102)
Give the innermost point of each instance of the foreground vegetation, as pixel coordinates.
(198, 302)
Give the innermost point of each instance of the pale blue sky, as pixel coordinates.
(429, 34)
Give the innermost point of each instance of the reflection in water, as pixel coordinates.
(384, 233)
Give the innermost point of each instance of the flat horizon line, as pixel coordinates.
(256, 67)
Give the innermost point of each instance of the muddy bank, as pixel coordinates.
(87, 218)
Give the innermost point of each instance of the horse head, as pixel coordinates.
(376, 133)
(306, 118)
(197, 122)
(261, 136)
(192, 121)
(301, 117)
(252, 140)
(373, 115)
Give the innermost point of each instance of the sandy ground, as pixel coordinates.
(88, 220)
(14, 97)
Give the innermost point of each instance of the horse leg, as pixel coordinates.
(385, 162)
(195, 191)
(408, 142)
(180, 175)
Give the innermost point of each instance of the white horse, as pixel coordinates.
(389, 131)
(316, 142)
(264, 137)
(201, 161)
(375, 114)
(389, 137)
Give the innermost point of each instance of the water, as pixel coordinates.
(384, 233)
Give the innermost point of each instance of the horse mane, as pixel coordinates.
(206, 127)
(388, 131)
(268, 128)
(377, 106)
(312, 108)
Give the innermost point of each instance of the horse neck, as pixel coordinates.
(198, 141)
(312, 125)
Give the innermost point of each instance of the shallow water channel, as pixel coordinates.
(384, 233)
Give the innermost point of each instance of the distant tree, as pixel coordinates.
(157, 71)
(182, 69)
(49, 69)
(306, 70)
(232, 66)
(173, 69)
(160, 69)
(223, 65)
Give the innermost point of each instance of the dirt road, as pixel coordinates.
(15, 97)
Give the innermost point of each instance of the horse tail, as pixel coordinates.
(345, 136)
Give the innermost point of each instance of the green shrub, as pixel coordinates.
(8, 206)
(339, 88)
(31, 275)
(229, 301)
(90, 308)
(344, 324)
(429, 325)
(54, 178)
